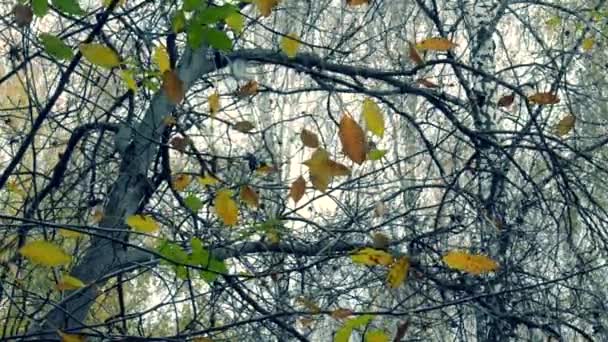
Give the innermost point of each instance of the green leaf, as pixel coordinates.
(55, 46)
(194, 203)
(217, 39)
(178, 21)
(212, 15)
(191, 5)
(195, 36)
(236, 22)
(202, 257)
(376, 154)
(172, 253)
(40, 7)
(69, 6)
(343, 334)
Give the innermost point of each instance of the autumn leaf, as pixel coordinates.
(290, 44)
(373, 117)
(226, 208)
(243, 126)
(380, 240)
(352, 138)
(587, 44)
(249, 196)
(398, 272)
(506, 100)
(44, 253)
(322, 169)
(354, 3)
(544, 98)
(23, 15)
(69, 234)
(128, 77)
(161, 58)
(173, 87)
(376, 154)
(100, 55)
(565, 125)
(214, 103)
(68, 282)
(142, 223)
(309, 304)
(207, 180)
(341, 313)
(309, 139)
(371, 257)
(414, 55)
(376, 336)
(181, 181)
(474, 264)
(179, 143)
(248, 89)
(426, 83)
(435, 44)
(97, 215)
(265, 169)
(265, 7)
(169, 120)
(65, 337)
(298, 187)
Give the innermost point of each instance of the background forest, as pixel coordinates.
(297, 170)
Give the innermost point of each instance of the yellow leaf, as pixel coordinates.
(68, 282)
(298, 187)
(69, 233)
(352, 138)
(565, 125)
(173, 86)
(341, 313)
(45, 253)
(249, 196)
(243, 126)
(587, 44)
(373, 117)
(161, 58)
(207, 180)
(214, 103)
(181, 181)
(169, 120)
(142, 223)
(100, 55)
(398, 272)
(354, 3)
(106, 3)
(236, 22)
(129, 79)
(322, 169)
(435, 44)
(544, 98)
(370, 257)
(376, 154)
(376, 336)
(309, 139)
(226, 208)
(265, 6)
(474, 264)
(265, 169)
(65, 337)
(290, 44)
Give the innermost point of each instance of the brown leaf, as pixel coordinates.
(248, 89)
(565, 125)
(309, 139)
(381, 240)
(353, 139)
(179, 143)
(426, 83)
(243, 126)
(23, 15)
(173, 86)
(298, 187)
(249, 196)
(506, 100)
(414, 55)
(544, 98)
(354, 3)
(341, 313)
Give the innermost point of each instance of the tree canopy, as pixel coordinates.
(297, 170)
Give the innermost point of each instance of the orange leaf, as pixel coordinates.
(248, 89)
(354, 3)
(414, 55)
(173, 86)
(474, 264)
(298, 187)
(544, 98)
(353, 139)
(265, 6)
(249, 196)
(181, 181)
(309, 139)
(506, 100)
